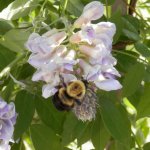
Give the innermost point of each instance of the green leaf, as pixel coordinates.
(131, 23)
(75, 7)
(120, 146)
(146, 146)
(117, 19)
(6, 56)
(143, 109)
(49, 115)
(133, 79)
(25, 108)
(115, 120)
(142, 49)
(5, 26)
(126, 61)
(18, 8)
(75, 129)
(99, 135)
(108, 2)
(142, 130)
(84, 134)
(44, 138)
(15, 40)
(4, 4)
(131, 35)
(68, 129)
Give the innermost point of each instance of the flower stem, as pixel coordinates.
(107, 14)
(138, 144)
(65, 6)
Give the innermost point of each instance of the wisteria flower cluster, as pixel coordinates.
(7, 121)
(87, 54)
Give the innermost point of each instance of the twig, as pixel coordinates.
(132, 6)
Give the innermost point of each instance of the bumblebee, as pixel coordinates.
(70, 95)
(78, 97)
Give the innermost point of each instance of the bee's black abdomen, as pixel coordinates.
(59, 105)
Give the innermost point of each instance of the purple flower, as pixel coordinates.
(91, 11)
(7, 122)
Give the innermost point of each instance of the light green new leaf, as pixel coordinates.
(143, 130)
(15, 40)
(133, 79)
(25, 108)
(18, 8)
(44, 138)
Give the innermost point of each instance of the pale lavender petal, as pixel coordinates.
(68, 77)
(4, 145)
(48, 90)
(38, 75)
(108, 84)
(6, 129)
(91, 11)
(10, 112)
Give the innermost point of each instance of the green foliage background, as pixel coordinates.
(123, 118)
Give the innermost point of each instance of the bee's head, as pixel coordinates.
(76, 89)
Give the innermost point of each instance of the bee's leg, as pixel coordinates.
(78, 101)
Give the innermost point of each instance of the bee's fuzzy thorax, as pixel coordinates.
(76, 89)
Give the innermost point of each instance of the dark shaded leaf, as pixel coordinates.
(5, 26)
(6, 56)
(133, 79)
(44, 138)
(100, 135)
(143, 109)
(49, 115)
(115, 120)
(146, 146)
(25, 108)
(117, 19)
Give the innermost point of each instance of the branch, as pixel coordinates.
(122, 44)
(132, 6)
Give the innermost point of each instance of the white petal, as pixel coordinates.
(108, 84)
(50, 33)
(37, 75)
(93, 10)
(106, 27)
(68, 77)
(48, 90)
